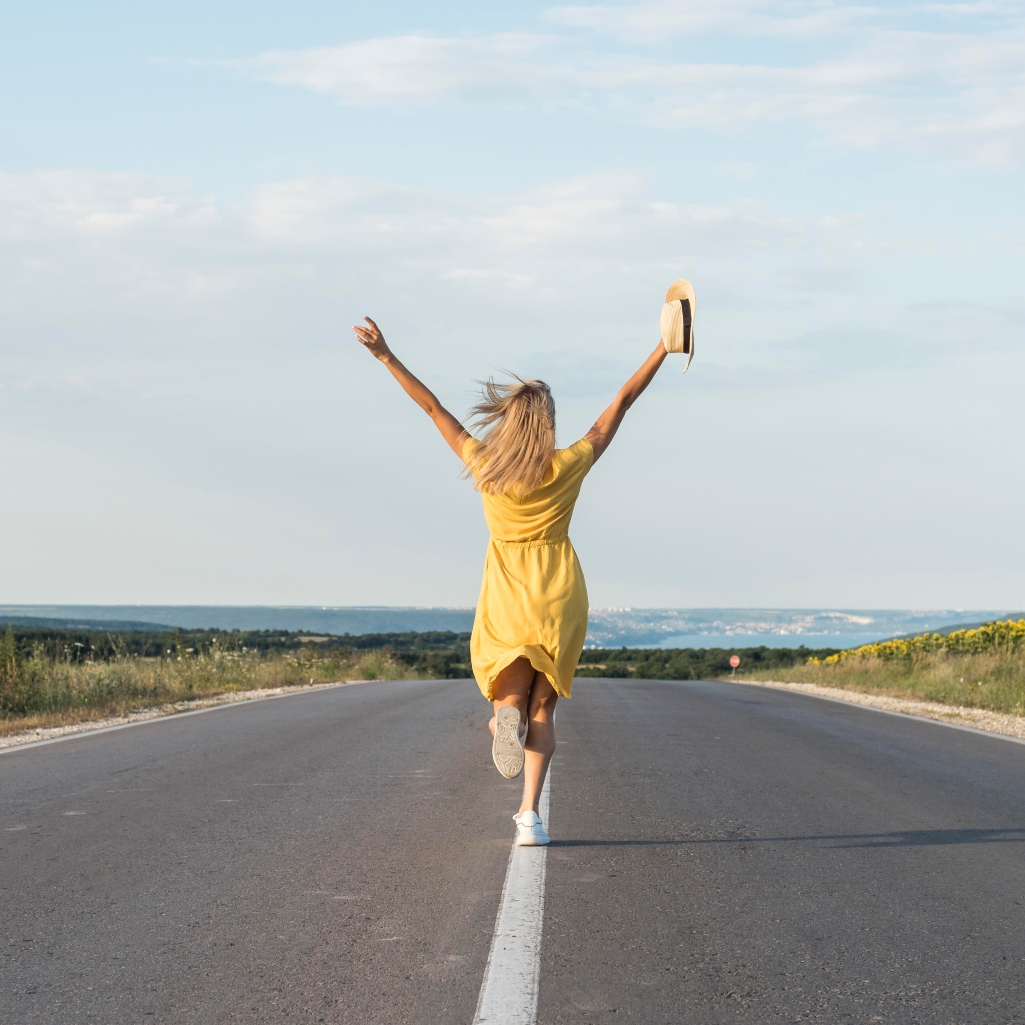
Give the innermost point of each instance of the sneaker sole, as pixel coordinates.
(507, 749)
(533, 842)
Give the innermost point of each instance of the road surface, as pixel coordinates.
(722, 854)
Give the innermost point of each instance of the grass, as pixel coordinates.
(687, 663)
(48, 687)
(982, 668)
(54, 677)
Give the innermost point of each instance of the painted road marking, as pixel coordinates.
(508, 995)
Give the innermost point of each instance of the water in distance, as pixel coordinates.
(608, 628)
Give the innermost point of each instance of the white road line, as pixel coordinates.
(508, 995)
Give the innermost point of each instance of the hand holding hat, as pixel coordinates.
(677, 322)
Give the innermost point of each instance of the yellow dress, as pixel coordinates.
(533, 601)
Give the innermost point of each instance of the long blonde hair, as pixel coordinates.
(518, 445)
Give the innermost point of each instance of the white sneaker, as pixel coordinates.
(530, 831)
(507, 747)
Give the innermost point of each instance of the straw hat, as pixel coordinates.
(677, 322)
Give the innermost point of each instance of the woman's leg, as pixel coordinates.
(532, 693)
(512, 687)
(540, 744)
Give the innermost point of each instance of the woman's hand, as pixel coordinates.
(451, 429)
(372, 340)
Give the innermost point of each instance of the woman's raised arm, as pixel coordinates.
(451, 429)
(604, 430)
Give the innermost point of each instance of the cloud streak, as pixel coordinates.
(146, 226)
(821, 20)
(147, 265)
(865, 79)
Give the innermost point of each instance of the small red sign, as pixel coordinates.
(734, 661)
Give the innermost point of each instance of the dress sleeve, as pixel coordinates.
(469, 447)
(583, 456)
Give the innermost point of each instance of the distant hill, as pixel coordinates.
(74, 623)
(438, 653)
(311, 619)
(944, 631)
(607, 628)
(105, 641)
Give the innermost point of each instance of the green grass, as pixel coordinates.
(53, 684)
(80, 644)
(56, 676)
(931, 668)
(688, 663)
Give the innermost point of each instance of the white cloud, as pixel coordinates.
(867, 76)
(655, 22)
(96, 204)
(138, 225)
(163, 351)
(148, 265)
(408, 68)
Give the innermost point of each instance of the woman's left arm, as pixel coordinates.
(604, 430)
(451, 429)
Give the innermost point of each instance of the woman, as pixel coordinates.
(532, 614)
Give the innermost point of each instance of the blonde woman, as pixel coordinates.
(532, 613)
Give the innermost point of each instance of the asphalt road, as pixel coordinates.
(721, 854)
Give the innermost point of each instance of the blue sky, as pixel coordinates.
(196, 201)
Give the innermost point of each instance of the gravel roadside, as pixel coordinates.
(958, 715)
(174, 708)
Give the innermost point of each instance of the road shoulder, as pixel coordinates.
(953, 715)
(47, 734)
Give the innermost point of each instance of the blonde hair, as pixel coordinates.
(518, 445)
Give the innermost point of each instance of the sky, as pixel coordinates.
(197, 201)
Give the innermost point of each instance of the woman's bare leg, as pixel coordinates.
(512, 687)
(532, 693)
(540, 744)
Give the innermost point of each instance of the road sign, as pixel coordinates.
(734, 661)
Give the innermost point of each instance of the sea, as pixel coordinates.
(608, 627)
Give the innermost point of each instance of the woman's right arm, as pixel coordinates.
(451, 429)
(604, 430)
